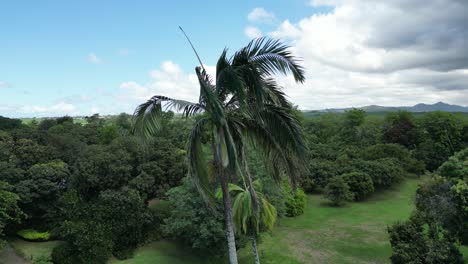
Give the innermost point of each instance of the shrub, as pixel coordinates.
(411, 244)
(33, 235)
(192, 222)
(456, 166)
(337, 191)
(42, 260)
(159, 211)
(360, 184)
(295, 203)
(384, 172)
(320, 171)
(64, 254)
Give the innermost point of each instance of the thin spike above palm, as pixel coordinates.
(243, 102)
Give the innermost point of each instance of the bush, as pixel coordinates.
(337, 191)
(63, 254)
(33, 235)
(159, 211)
(193, 223)
(384, 172)
(295, 203)
(456, 166)
(360, 184)
(320, 172)
(411, 244)
(42, 260)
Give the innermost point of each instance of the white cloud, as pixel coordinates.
(325, 2)
(380, 52)
(259, 14)
(252, 32)
(62, 108)
(4, 84)
(169, 80)
(93, 58)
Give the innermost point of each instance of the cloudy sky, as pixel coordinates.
(105, 57)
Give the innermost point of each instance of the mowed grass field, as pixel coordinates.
(356, 233)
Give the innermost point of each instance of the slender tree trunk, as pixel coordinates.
(255, 249)
(229, 227)
(228, 220)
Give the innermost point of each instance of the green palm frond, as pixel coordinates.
(245, 217)
(197, 163)
(270, 57)
(147, 116)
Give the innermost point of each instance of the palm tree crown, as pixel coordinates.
(242, 103)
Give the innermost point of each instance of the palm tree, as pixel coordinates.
(247, 218)
(242, 102)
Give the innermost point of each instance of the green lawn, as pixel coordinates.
(33, 250)
(352, 234)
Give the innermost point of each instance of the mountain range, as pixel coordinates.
(440, 106)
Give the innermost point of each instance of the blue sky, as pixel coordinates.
(80, 57)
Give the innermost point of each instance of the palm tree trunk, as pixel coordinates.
(228, 220)
(254, 248)
(229, 226)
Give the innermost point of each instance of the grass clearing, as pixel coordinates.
(33, 250)
(356, 233)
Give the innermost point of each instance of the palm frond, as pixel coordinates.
(147, 116)
(270, 56)
(196, 158)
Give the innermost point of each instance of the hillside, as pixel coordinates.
(440, 106)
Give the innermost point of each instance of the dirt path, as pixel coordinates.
(9, 256)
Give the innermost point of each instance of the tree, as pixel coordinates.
(456, 166)
(411, 244)
(192, 222)
(243, 101)
(247, 219)
(9, 209)
(360, 184)
(42, 186)
(337, 191)
(400, 128)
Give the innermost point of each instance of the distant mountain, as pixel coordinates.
(440, 106)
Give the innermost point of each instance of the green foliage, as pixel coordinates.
(9, 123)
(338, 191)
(114, 223)
(384, 172)
(192, 222)
(442, 138)
(319, 173)
(295, 203)
(456, 166)
(411, 244)
(33, 235)
(9, 210)
(360, 184)
(397, 152)
(408, 243)
(400, 128)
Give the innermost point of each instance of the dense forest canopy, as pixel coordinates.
(101, 191)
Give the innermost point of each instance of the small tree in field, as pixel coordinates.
(337, 191)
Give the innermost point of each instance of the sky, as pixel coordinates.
(83, 57)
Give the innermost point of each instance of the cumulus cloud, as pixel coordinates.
(252, 32)
(4, 84)
(169, 80)
(62, 107)
(381, 52)
(93, 58)
(259, 14)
